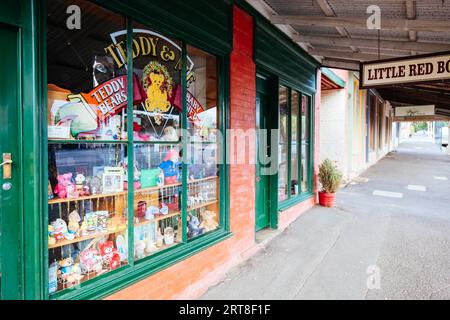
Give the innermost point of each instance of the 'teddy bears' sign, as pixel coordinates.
(405, 70)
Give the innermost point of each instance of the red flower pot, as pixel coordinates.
(326, 199)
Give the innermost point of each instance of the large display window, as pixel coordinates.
(134, 163)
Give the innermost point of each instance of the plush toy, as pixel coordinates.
(90, 260)
(74, 226)
(208, 220)
(60, 231)
(60, 188)
(82, 187)
(193, 227)
(69, 272)
(110, 255)
(171, 167)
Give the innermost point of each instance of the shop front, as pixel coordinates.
(116, 130)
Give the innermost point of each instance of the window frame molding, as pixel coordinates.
(115, 280)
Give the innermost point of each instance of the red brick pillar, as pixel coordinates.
(242, 116)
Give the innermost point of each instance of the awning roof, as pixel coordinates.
(331, 80)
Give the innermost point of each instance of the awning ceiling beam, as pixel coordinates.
(361, 22)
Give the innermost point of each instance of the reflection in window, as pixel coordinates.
(86, 88)
(283, 144)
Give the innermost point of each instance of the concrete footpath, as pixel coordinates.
(392, 232)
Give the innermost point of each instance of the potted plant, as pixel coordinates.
(330, 178)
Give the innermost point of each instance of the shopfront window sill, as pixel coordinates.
(286, 204)
(119, 279)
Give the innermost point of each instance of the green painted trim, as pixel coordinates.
(327, 72)
(10, 12)
(286, 204)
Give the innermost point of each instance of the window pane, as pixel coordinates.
(306, 107)
(203, 143)
(294, 144)
(156, 117)
(86, 87)
(157, 194)
(87, 212)
(283, 145)
(157, 78)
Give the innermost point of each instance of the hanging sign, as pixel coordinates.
(417, 69)
(414, 111)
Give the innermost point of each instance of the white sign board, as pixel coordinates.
(405, 70)
(414, 111)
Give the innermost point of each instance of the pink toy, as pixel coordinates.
(90, 260)
(110, 254)
(65, 187)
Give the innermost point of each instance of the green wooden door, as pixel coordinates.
(263, 150)
(10, 187)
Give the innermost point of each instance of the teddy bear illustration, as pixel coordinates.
(157, 99)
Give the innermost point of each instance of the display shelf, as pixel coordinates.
(91, 236)
(202, 205)
(159, 218)
(106, 195)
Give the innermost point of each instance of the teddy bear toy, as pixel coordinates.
(157, 97)
(65, 187)
(110, 255)
(69, 272)
(208, 220)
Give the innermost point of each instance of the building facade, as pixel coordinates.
(356, 127)
(222, 142)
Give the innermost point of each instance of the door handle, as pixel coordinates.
(6, 164)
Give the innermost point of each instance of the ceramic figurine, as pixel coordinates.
(60, 231)
(74, 220)
(169, 235)
(159, 239)
(79, 181)
(91, 222)
(193, 227)
(164, 209)
(122, 249)
(139, 248)
(151, 212)
(110, 255)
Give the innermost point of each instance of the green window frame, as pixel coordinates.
(115, 280)
(301, 195)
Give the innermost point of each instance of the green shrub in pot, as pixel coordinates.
(330, 176)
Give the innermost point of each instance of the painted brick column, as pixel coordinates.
(243, 117)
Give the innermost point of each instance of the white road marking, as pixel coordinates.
(387, 194)
(440, 178)
(416, 188)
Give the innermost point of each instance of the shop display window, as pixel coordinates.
(115, 196)
(294, 144)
